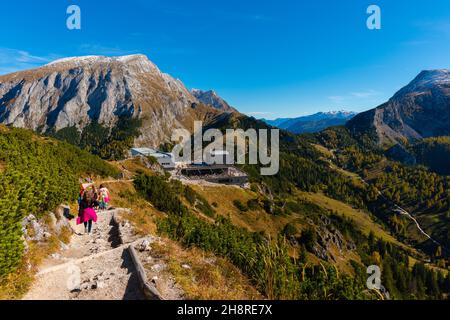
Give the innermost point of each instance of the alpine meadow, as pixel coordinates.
(313, 163)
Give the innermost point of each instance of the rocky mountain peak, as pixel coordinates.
(419, 110)
(427, 80)
(433, 76)
(211, 98)
(138, 62)
(77, 91)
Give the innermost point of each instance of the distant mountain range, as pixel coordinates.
(77, 92)
(419, 110)
(312, 123)
(327, 212)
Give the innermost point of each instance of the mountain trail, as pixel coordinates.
(396, 208)
(91, 267)
(402, 211)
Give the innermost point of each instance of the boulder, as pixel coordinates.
(145, 245)
(158, 267)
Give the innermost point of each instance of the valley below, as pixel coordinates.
(370, 190)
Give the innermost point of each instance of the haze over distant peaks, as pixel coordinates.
(312, 123)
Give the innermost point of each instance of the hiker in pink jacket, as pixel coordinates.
(87, 214)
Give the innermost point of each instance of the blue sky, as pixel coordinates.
(267, 58)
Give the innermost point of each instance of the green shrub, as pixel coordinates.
(253, 204)
(240, 206)
(38, 175)
(289, 230)
(309, 239)
(109, 144)
(198, 201)
(160, 193)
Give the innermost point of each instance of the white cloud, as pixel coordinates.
(366, 94)
(12, 60)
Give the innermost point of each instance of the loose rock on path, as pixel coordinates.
(91, 267)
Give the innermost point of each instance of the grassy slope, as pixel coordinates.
(431, 222)
(254, 221)
(144, 219)
(260, 221)
(208, 272)
(257, 221)
(210, 277)
(362, 219)
(46, 151)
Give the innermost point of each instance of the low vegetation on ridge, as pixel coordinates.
(38, 175)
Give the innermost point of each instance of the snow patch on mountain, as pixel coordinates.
(139, 61)
(77, 91)
(312, 123)
(419, 110)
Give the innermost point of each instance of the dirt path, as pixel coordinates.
(400, 210)
(91, 267)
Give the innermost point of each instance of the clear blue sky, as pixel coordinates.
(267, 58)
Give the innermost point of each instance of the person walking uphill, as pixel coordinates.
(104, 197)
(87, 214)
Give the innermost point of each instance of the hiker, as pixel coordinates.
(87, 214)
(83, 188)
(96, 197)
(80, 195)
(104, 197)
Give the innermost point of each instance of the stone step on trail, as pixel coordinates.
(92, 267)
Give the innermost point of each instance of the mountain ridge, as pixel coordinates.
(419, 110)
(211, 98)
(78, 91)
(312, 123)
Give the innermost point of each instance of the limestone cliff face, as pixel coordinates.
(419, 110)
(77, 91)
(211, 98)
